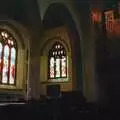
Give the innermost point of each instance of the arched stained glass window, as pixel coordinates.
(57, 62)
(7, 58)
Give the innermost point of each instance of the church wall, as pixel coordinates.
(107, 65)
(81, 16)
(87, 46)
(25, 13)
(46, 45)
(33, 24)
(34, 27)
(30, 13)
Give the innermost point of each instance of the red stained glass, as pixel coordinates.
(12, 66)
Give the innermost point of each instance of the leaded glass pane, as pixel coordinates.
(64, 66)
(52, 71)
(12, 66)
(58, 63)
(5, 64)
(1, 48)
(57, 67)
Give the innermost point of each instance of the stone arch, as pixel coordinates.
(58, 15)
(49, 43)
(21, 36)
(45, 47)
(17, 30)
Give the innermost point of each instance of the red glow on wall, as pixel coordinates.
(116, 30)
(96, 16)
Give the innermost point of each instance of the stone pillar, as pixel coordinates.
(34, 27)
(88, 48)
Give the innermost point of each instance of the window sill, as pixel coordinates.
(55, 82)
(5, 86)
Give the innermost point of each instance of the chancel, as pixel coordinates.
(60, 59)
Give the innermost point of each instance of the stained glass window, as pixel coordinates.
(1, 48)
(7, 58)
(12, 66)
(52, 72)
(109, 20)
(57, 67)
(57, 62)
(64, 67)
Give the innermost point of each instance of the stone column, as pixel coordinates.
(34, 27)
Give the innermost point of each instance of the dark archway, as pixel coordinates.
(57, 15)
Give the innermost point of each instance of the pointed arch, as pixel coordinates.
(57, 15)
(61, 60)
